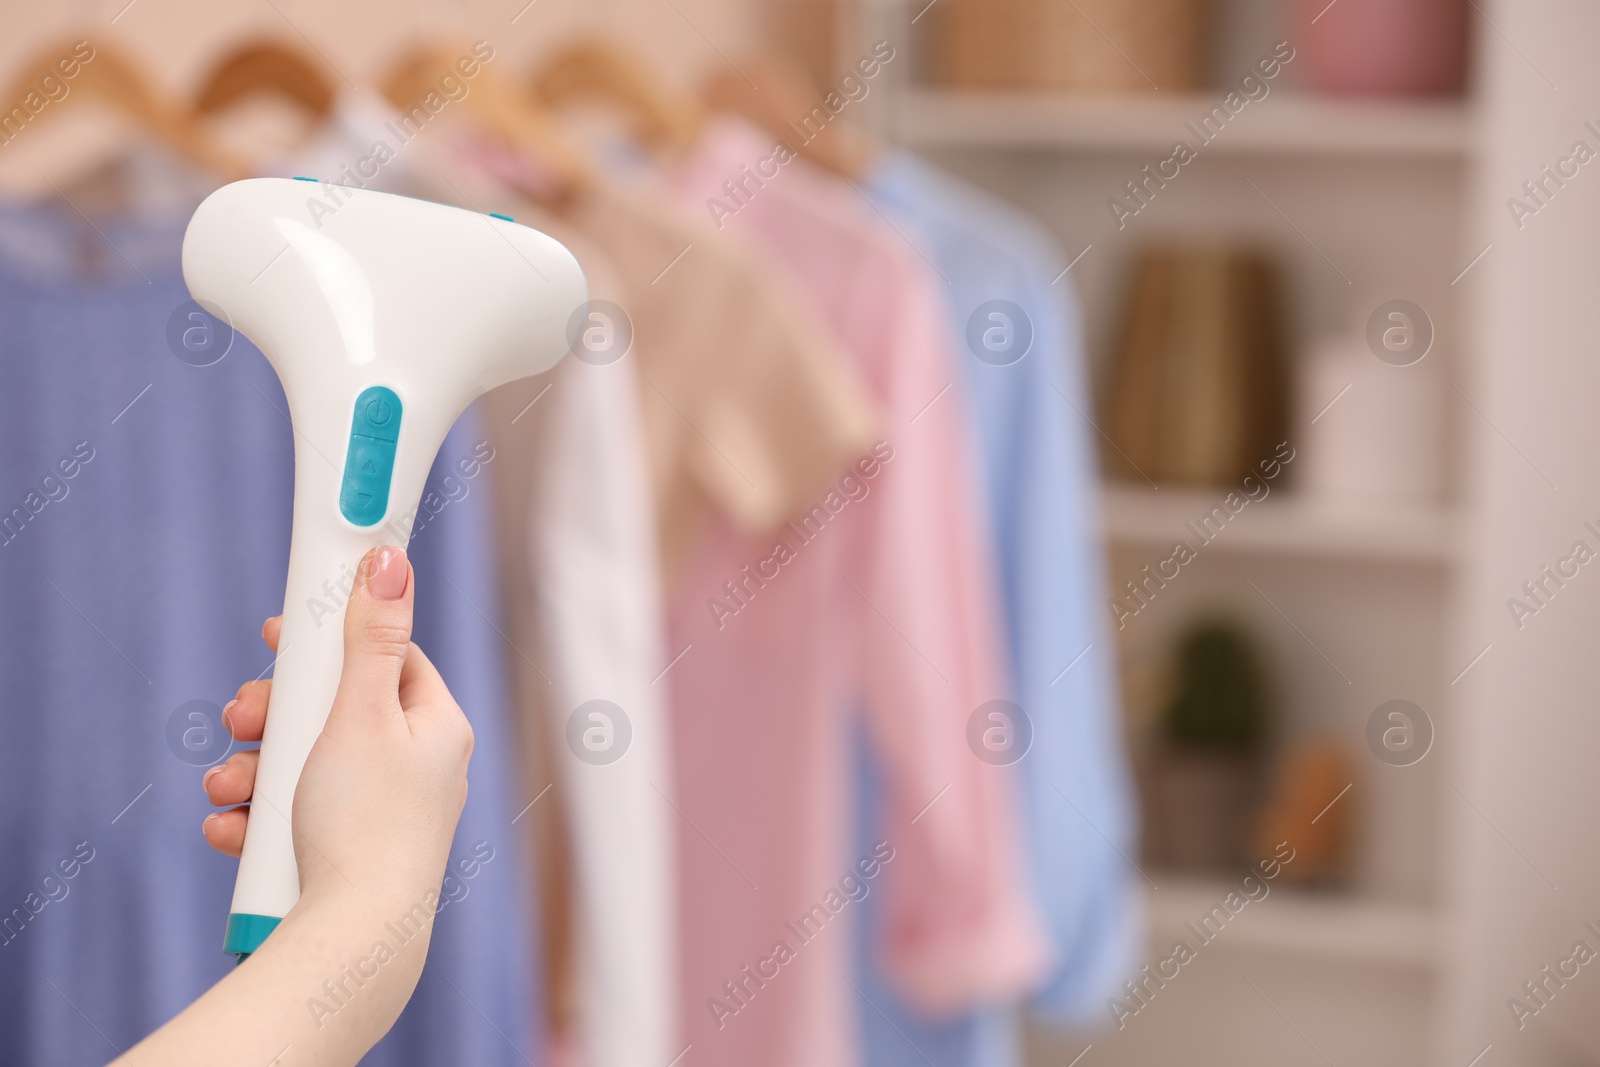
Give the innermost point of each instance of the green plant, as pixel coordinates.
(1220, 698)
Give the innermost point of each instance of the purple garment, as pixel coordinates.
(138, 585)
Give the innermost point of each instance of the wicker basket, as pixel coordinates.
(1093, 45)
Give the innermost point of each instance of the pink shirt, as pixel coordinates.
(883, 597)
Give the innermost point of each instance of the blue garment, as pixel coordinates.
(1038, 460)
(138, 583)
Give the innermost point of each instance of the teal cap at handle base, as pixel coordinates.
(246, 932)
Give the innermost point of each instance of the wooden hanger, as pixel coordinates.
(596, 69)
(523, 124)
(110, 77)
(267, 67)
(787, 95)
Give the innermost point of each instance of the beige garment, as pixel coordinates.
(546, 841)
(750, 408)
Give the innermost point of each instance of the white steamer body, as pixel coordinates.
(384, 320)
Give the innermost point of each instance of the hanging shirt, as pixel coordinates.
(151, 542)
(1031, 405)
(744, 409)
(878, 593)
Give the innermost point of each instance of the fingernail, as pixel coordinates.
(207, 822)
(205, 779)
(227, 723)
(386, 572)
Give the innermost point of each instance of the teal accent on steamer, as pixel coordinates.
(369, 459)
(246, 932)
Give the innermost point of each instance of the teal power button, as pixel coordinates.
(369, 461)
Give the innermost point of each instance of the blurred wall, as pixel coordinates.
(1525, 789)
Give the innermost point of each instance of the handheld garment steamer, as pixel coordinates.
(384, 318)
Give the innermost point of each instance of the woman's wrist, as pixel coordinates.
(362, 923)
(345, 962)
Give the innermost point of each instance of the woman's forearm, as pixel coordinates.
(320, 992)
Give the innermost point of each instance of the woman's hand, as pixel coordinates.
(374, 814)
(383, 787)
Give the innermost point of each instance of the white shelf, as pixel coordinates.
(1282, 525)
(1322, 927)
(1281, 124)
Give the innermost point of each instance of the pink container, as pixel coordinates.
(1383, 47)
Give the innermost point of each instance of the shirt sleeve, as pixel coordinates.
(750, 407)
(789, 404)
(961, 924)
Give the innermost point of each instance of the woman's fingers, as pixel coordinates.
(232, 781)
(224, 830)
(271, 630)
(245, 715)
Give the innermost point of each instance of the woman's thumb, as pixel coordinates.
(377, 633)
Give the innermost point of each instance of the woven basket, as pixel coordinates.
(1085, 45)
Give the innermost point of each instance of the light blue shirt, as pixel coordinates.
(1038, 460)
(138, 584)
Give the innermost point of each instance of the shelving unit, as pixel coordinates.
(1280, 124)
(1282, 525)
(1360, 201)
(1308, 926)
